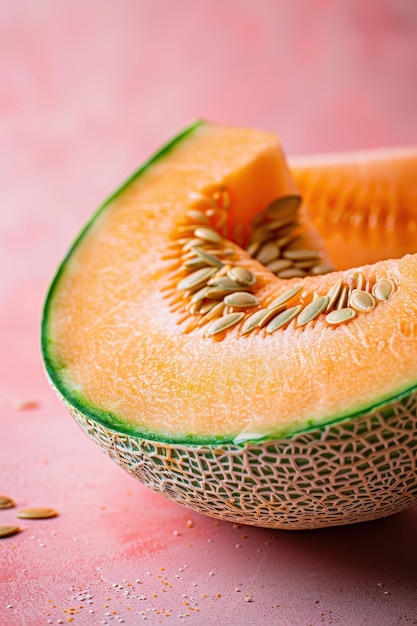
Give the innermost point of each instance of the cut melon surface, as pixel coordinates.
(308, 425)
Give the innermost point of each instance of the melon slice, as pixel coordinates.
(198, 333)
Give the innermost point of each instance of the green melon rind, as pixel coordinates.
(115, 423)
(352, 471)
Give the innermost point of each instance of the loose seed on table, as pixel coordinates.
(36, 513)
(6, 502)
(7, 531)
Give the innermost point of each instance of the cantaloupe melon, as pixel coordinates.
(198, 332)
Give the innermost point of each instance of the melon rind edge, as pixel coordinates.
(347, 472)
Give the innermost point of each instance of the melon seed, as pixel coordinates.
(382, 289)
(197, 278)
(278, 224)
(226, 283)
(268, 253)
(223, 323)
(269, 314)
(6, 502)
(210, 259)
(312, 310)
(207, 234)
(340, 316)
(292, 272)
(242, 276)
(241, 300)
(200, 294)
(342, 301)
(36, 513)
(361, 300)
(321, 268)
(198, 216)
(6, 531)
(195, 263)
(207, 306)
(213, 313)
(193, 243)
(300, 255)
(285, 297)
(333, 294)
(278, 265)
(253, 321)
(283, 318)
(285, 204)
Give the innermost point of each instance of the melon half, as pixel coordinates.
(240, 333)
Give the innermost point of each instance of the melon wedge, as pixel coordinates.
(306, 425)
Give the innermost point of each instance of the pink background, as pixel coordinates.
(87, 91)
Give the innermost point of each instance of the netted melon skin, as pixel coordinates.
(351, 471)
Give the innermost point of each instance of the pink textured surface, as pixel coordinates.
(87, 91)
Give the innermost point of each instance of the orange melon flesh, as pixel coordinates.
(364, 204)
(115, 350)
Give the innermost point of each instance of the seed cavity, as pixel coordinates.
(219, 293)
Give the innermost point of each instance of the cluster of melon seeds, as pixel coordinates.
(213, 290)
(275, 241)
